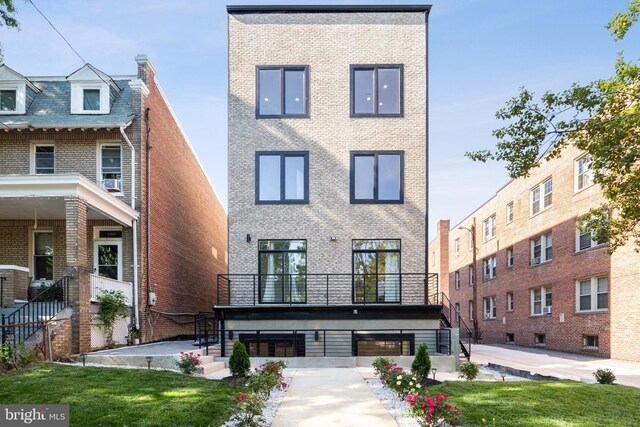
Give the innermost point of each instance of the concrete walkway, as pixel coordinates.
(555, 363)
(326, 397)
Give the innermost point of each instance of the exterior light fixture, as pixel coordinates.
(149, 359)
(433, 371)
(248, 238)
(230, 335)
(317, 335)
(333, 239)
(355, 311)
(84, 359)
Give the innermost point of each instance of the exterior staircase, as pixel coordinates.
(450, 317)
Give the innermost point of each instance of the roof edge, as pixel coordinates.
(241, 9)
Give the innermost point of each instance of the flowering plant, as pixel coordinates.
(431, 411)
(264, 378)
(188, 363)
(250, 407)
(399, 380)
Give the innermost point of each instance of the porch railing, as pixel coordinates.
(324, 289)
(451, 317)
(337, 342)
(2, 291)
(100, 283)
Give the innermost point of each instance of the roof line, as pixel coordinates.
(239, 9)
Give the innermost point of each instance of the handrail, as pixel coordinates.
(462, 325)
(2, 291)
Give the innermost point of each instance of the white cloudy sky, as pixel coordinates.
(480, 53)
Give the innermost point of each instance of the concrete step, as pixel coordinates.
(209, 368)
(206, 359)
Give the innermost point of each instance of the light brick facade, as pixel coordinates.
(565, 327)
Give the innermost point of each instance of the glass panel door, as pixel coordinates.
(107, 258)
(283, 271)
(43, 255)
(376, 271)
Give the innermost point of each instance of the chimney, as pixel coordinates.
(146, 72)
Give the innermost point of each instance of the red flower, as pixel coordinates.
(256, 369)
(439, 397)
(196, 361)
(423, 405)
(449, 406)
(279, 375)
(445, 394)
(284, 385)
(427, 419)
(458, 412)
(430, 409)
(182, 352)
(243, 395)
(198, 354)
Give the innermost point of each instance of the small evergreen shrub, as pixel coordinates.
(380, 365)
(469, 371)
(421, 365)
(604, 376)
(239, 362)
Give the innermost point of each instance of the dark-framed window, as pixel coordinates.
(282, 177)
(283, 271)
(44, 159)
(282, 91)
(91, 99)
(376, 271)
(8, 100)
(377, 90)
(377, 177)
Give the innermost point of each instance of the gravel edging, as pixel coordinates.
(398, 408)
(271, 406)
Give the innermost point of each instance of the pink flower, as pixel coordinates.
(196, 361)
(423, 405)
(445, 395)
(182, 352)
(439, 397)
(458, 412)
(198, 354)
(449, 406)
(427, 419)
(430, 409)
(279, 375)
(255, 369)
(243, 395)
(284, 385)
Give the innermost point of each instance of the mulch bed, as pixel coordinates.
(234, 380)
(428, 382)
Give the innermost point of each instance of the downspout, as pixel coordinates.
(134, 227)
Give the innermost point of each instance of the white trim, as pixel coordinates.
(21, 96)
(98, 228)
(77, 97)
(118, 243)
(24, 186)
(544, 290)
(32, 251)
(542, 206)
(32, 156)
(593, 295)
(14, 267)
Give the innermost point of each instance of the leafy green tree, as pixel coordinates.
(603, 119)
(113, 306)
(7, 18)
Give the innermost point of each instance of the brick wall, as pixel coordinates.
(188, 226)
(328, 44)
(61, 342)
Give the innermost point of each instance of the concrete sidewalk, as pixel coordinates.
(326, 397)
(555, 363)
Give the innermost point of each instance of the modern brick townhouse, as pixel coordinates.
(101, 189)
(536, 279)
(328, 183)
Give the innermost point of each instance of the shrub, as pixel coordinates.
(380, 364)
(113, 306)
(469, 371)
(16, 356)
(399, 381)
(604, 376)
(262, 380)
(250, 407)
(421, 365)
(188, 363)
(431, 411)
(239, 362)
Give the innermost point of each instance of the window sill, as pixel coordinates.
(285, 116)
(577, 191)
(377, 202)
(591, 249)
(376, 116)
(541, 263)
(489, 318)
(590, 349)
(541, 315)
(282, 202)
(600, 311)
(491, 279)
(541, 211)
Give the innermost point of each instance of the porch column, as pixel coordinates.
(76, 268)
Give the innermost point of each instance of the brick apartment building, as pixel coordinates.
(101, 189)
(327, 175)
(538, 280)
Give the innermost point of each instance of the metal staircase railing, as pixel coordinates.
(447, 321)
(205, 330)
(27, 319)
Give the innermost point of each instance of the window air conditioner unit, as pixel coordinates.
(546, 310)
(535, 261)
(112, 185)
(487, 276)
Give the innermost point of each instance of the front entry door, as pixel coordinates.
(107, 258)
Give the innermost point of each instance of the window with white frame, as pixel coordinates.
(489, 304)
(509, 212)
(110, 167)
(8, 100)
(590, 342)
(12, 98)
(592, 294)
(90, 98)
(510, 257)
(489, 267)
(541, 301)
(509, 301)
(541, 249)
(457, 247)
(472, 275)
(457, 279)
(585, 238)
(541, 196)
(471, 310)
(43, 159)
(583, 173)
(489, 227)
(472, 239)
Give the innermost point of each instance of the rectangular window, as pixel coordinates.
(583, 172)
(592, 294)
(471, 310)
(111, 168)
(43, 159)
(282, 177)
(457, 279)
(489, 227)
(377, 177)
(43, 255)
(590, 342)
(376, 271)
(457, 246)
(541, 301)
(489, 304)
(8, 100)
(509, 212)
(376, 90)
(540, 339)
(472, 275)
(489, 268)
(282, 92)
(510, 257)
(510, 337)
(91, 99)
(584, 239)
(457, 308)
(509, 301)
(541, 249)
(283, 271)
(537, 203)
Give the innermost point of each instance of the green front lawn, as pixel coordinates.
(543, 403)
(118, 397)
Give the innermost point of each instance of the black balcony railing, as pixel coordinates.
(325, 289)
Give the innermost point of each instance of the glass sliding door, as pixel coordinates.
(376, 271)
(283, 271)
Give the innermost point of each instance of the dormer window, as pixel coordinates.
(91, 91)
(91, 99)
(8, 100)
